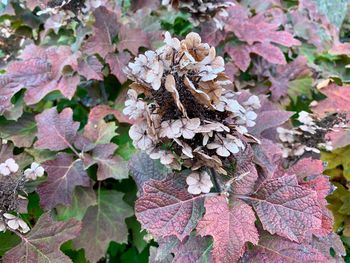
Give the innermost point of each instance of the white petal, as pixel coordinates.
(222, 151)
(194, 189)
(13, 224)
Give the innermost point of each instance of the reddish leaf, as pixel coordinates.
(166, 208)
(278, 249)
(99, 112)
(104, 223)
(43, 242)
(116, 63)
(231, 227)
(90, 68)
(240, 56)
(340, 49)
(64, 175)
(105, 29)
(40, 72)
(324, 245)
(194, 249)
(132, 39)
(211, 34)
(339, 138)
(56, 131)
(269, 52)
(338, 100)
(286, 208)
(109, 166)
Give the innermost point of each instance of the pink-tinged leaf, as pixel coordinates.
(339, 138)
(140, 4)
(340, 49)
(40, 71)
(283, 74)
(338, 100)
(194, 249)
(153, 256)
(90, 68)
(143, 169)
(245, 173)
(104, 223)
(165, 247)
(132, 39)
(324, 244)
(269, 52)
(166, 208)
(56, 131)
(231, 70)
(43, 242)
(64, 174)
(99, 112)
(230, 225)
(305, 168)
(268, 156)
(105, 29)
(240, 56)
(278, 249)
(211, 34)
(269, 119)
(109, 166)
(286, 208)
(100, 133)
(116, 63)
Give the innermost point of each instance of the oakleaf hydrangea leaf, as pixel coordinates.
(166, 208)
(143, 169)
(56, 131)
(286, 208)
(103, 223)
(64, 174)
(230, 225)
(43, 242)
(277, 249)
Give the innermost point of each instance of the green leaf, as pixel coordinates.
(22, 132)
(298, 87)
(103, 223)
(82, 199)
(137, 234)
(338, 157)
(8, 240)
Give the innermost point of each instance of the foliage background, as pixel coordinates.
(141, 24)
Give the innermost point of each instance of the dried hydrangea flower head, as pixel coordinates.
(201, 10)
(310, 136)
(183, 110)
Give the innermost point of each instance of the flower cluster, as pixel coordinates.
(34, 171)
(184, 112)
(8, 167)
(309, 136)
(201, 10)
(13, 222)
(199, 183)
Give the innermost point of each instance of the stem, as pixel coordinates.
(213, 176)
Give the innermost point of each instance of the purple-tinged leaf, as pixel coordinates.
(90, 68)
(43, 242)
(143, 169)
(116, 63)
(109, 166)
(105, 29)
(194, 249)
(132, 39)
(56, 131)
(166, 208)
(230, 225)
(104, 223)
(64, 174)
(286, 208)
(277, 249)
